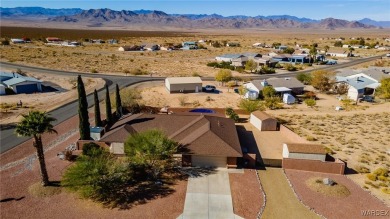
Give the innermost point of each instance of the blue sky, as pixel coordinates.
(316, 9)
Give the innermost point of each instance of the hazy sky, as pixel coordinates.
(316, 9)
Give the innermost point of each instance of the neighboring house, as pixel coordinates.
(130, 48)
(304, 151)
(112, 41)
(265, 61)
(263, 121)
(337, 52)
(183, 84)
(346, 46)
(6, 76)
(189, 45)
(362, 82)
(281, 85)
(281, 57)
(205, 140)
(2, 89)
(22, 84)
(299, 59)
(17, 41)
(151, 47)
(281, 47)
(53, 40)
(258, 45)
(232, 44)
(231, 57)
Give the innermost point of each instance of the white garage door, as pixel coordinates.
(209, 161)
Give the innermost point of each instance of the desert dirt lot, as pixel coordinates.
(48, 100)
(106, 58)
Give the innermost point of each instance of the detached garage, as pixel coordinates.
(24, 85)
(263, 121)
(183, 84)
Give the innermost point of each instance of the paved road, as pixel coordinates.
(8, 139)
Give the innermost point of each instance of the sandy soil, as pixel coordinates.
(335, 207)
(49, 100)
(106, 58)
(19, 170)
(246, 202)
(157, 95)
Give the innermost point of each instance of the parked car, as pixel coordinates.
(331, 62)
(209, 88)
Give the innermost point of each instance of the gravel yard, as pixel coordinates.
(335, 207)
(246, 202)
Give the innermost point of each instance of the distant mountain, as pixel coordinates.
(105, 16)
(368, 21)
(38, 11)
(159, 18)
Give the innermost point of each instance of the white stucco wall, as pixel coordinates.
(117, 148)
(353, 94)
(320, 157)
(285, 151)
(256, 122)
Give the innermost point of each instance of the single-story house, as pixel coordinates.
(6, 76)
(189, 45)
(130, 48)
(53, 40)
(233, 44)
(183, 84)
(299, 59)
(151, 47)
(22, 84)
(231, 57)
(204, 140)
(16, 41)
(2, 89)
(304, 151)
(281, 57)
(265, 61)
(263, 121)
(362, 82)
(281, 86)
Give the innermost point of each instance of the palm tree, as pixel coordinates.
(34, 124)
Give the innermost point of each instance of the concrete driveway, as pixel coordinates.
(209, 196)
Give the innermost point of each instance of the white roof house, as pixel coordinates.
(281, 85)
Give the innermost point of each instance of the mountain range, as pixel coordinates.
(101, 17)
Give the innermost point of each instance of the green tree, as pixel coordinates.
(322, 80)
(223, 75)
(289, 50)
(118, 102)
(251, 105)
(312, 53)
(383, 91)
(310, 102)
(242, 90)
(34, 124)
(273, 102)
(304, 78)
(350, 49)
(338, 44)
(98, 120)
(109, 118)
(250, 65)
(83, 111)
(268, 91)
(326, 48)
(152, 149)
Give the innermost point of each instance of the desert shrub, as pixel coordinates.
(383, 178)
(4, 42)
(182, 100)
(251, 105)
(208, 98)
(232, 114)
(196, 74)
(304, 78)
(195, 103)
(382, 184)
(224, 65)
(91, 149)
(289, 67)
(371, 176)
(138, 72)
(386, 190)
(94, 70)
(311, 138)
(329, 151)
(278, 65)
(273, 102)
(310, 102)
(381, 172)
(266, 70)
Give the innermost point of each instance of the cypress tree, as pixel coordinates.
(83, 111)
(98, 120)
(118, 102)
(108, 106)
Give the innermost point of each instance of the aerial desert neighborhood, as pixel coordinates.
(195, 109)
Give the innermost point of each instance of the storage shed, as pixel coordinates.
(304, 151)
(183, 84)
(24, 84)
(2, 89)
(263, 121)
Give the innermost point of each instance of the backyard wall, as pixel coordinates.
(336, 167)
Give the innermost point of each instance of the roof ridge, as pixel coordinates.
(186, 126)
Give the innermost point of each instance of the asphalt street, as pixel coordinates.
(8, 139)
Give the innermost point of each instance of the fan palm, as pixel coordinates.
(34, 124)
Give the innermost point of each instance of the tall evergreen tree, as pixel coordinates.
(108, 106)
(98, 120)
(118, 102)
(83, 111)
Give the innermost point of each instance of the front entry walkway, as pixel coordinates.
(209, 196)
